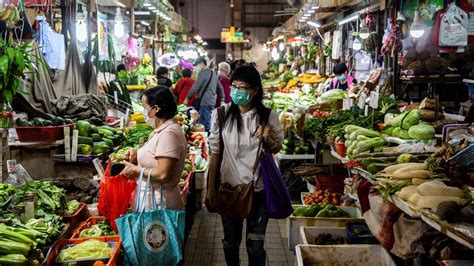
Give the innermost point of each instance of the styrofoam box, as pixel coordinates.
(356, 255)
(200, 177)
(293, 223)
(308, 233)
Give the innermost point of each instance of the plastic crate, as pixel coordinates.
(354, 255)
(41, 134)
(335, 183)
(293, 223)
(87, 224)
(357, 239)
(114, 260)
(465, 157)
(81, 214)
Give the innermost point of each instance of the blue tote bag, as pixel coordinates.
(277, 197)
(153, 237)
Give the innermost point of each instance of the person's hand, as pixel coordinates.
(130, 171)
(262, 133)
(131, 155)
(185, 102)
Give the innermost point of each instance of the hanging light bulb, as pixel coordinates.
(119, 28)
(356, 44)
(281, 46)
(364, 31)
(81, 28)
(417, 28)
(275, 53)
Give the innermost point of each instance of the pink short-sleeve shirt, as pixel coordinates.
(165, 141)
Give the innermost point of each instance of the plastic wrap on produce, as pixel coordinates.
(466, 229)
(415, 148)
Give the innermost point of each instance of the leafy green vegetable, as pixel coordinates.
(90, 249)
(50, 198)
(332, 96)
(72, 207)
(422, 132)
(411, 119)
(6, 192)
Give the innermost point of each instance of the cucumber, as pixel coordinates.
(96, 137)
(109, 142)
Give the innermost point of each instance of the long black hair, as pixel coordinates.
(251, 76)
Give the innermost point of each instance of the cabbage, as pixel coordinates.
(397, 121)
(421, 132)
(91, 249)
(332, 96)
(412, 118)
(404, 134)
(396, 132)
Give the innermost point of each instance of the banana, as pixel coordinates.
(16, 16)
(3, 9)
(12, 14)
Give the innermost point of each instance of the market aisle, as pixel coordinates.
(204, 246)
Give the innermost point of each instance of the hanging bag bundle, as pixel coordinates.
(153, 237)
(453, 27)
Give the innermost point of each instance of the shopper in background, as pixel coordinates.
(164, 153)
(162, 77)
(183, 86)
(118, 88)
(247, 123)
(224, 73)
(206, 86)
(343, 80)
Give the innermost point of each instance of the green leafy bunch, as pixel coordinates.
(14, 64)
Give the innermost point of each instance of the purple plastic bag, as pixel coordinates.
(277, 198)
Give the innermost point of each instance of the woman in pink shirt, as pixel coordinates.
(164, 153)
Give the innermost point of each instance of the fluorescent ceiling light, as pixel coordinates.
(311, 11)
(152, 8)
(349, 19)
(142, 13)
(314, 7)
(302, 20)
(313, 24)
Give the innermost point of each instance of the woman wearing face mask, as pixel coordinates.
(163, 155)
(247, 122)
(343, 80)
(224, 72)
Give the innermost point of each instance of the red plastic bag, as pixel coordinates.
(115, 193)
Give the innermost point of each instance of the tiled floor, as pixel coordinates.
(204, 246)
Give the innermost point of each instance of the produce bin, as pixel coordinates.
(87, 224)
(37, 134)
(293, 223)
(81, 214)
(307, 234)
(114, 260)
(200, 177)
(354, 255)
(365, 236)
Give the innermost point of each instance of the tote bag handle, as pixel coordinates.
(149, 184)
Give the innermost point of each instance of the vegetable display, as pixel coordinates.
(72, 207)
(41, 122)
(96, 139)
(90, 249)
(360, 140)
(327, 239)
(102, 228)
(322, 197)
(319, 211)
(50, 198)
(6, 192)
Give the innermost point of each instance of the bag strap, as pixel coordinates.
(261, 143)
(138, 190)
(205, 88)
(221, 122)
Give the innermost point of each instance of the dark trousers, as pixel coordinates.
(255, 235)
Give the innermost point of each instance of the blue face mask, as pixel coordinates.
(240, 97)
(341, 78)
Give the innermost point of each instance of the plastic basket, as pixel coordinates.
(365, 236)
(87, 224)
(114, 260)
(465, 157)
(334, 183)
(80, 215)
(41, 134)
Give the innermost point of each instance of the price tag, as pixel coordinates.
(67, 144)
(75, 136)
(366, 110)
(122, 122)
(115, 97)
(346, 104)
(374, 100)
(362, 98)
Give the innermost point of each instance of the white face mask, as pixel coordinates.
(149, 120)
